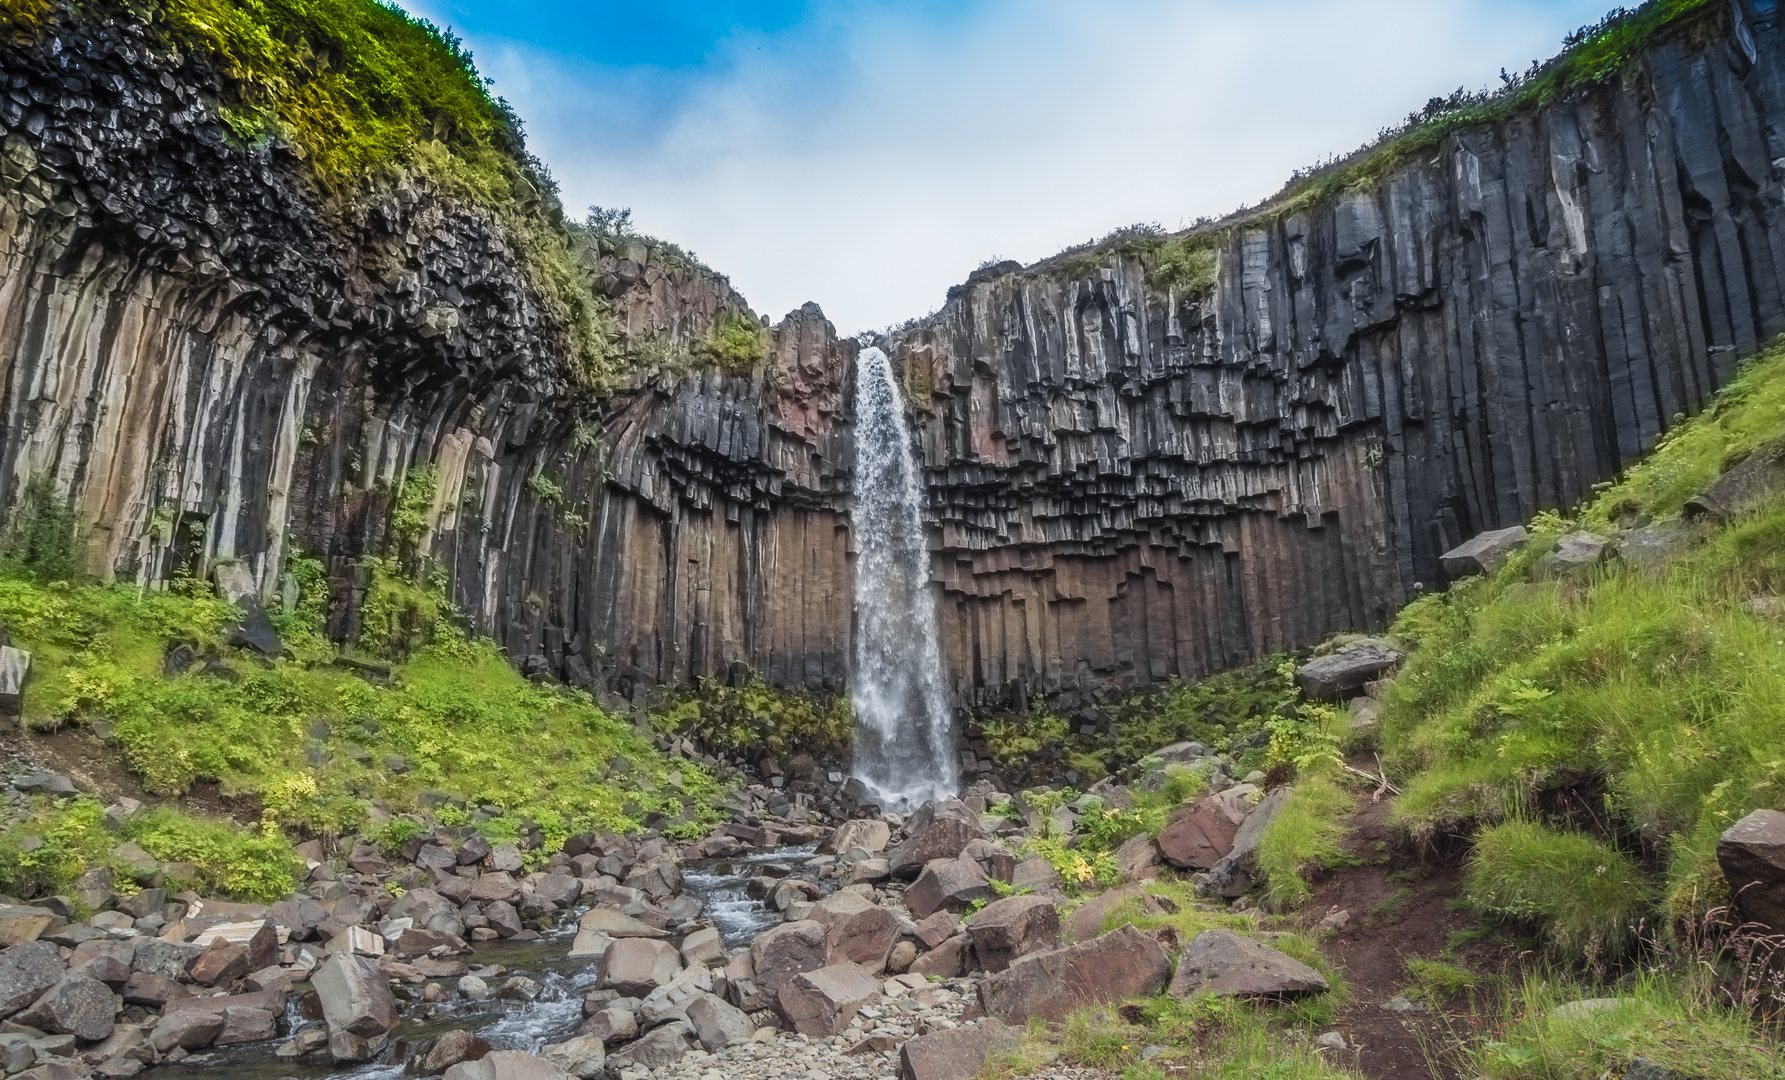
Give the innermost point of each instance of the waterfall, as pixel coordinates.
(903, 724)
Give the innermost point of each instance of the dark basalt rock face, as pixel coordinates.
(217, 368)
(1125, 486)
(1129, 486)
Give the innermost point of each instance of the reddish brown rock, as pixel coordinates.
(821, 1003)
(1226, 964)
(949, 960)
(938, 831)
(1198, 836)
(948, 885)
(1011, 928)
(938, 928)
(1087, 922)
(1121, 964)
(448, 1049)
(954, 1054)
(857, 930)
(786, 951)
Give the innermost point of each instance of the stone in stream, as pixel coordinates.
(584, 1056)
(857, 930)
(821, 1003)
(357, 1003)
(1009, 929)
(637, 966)
(1226, 964)
(954, 1054)
(938, 831)
(246, 1024)
(77, 1005)
(616, 925)
(951, 884)
(26, 971)
(506, 1065)
(448, 1049)
(1121, 964)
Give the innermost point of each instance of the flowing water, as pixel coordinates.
(904, 729)
(508, 1025)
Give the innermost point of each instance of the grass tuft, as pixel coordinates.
(1585, 897)
(1305, 836)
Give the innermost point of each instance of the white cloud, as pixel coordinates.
(868, 159)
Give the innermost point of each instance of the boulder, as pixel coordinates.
(1652, 546)
(1036, 874)
(1742, 487)
(220, 964)
(1014, 927)
(949, 960)
(77, 1005)
(246, 1024)
(704, 948)
(1344, 672)
(717, 1024)
(1232, 876)
(26, 971)
(355, 999)
(821, 1003)
(153, 990)
(103, 959)
(1199, 835)
(1573, 554)
(857, 930)
(38, 781)
(559, 890)
(938, 831)
(258, 938)
(1484, 554)
(188, 1029)
(611, 1025)
(949, 884)
(903, 955)
(584, 1056)
(449, 1048)
(1121, 964)
(659, 1049)
(937, 928)
(616, 925)
(871, 835)
(1226, 964)
(497, 886)
(637, 966)
(1752, 855)
(21, 924)
(953, 1054)
(1138, 858)
(15, 665)
(506, 1065)
(786, 951)
(169, 959)
(1087, 922)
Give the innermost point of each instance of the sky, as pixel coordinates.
(868, 154)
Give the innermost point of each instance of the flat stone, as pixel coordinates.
(1484, 554)
(871, 835)
(1121, 964)
(1199, 835)
(1345, 671)
(718, 1024)
(21, 924)
(953, 1054)
(1226, 964)
(584, 1056)
(1007, 930)
(616, 925)
(1573, 554)
(637, 966)
(659, 1049)
(821, 1003)
(948, 884)
(507, 1065)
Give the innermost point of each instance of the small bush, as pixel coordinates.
(736, 342)
(1584, 897)
(38, 540)
(1436, 982)
(1305, 836)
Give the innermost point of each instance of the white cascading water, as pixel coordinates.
(903, 727)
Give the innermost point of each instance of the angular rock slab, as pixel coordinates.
(1344, 672)
(955, 1054)
(356, 1001)
(938, 831)
(821, 1003)
(1121, 964)
(949, 960)
(660, 1048)
(1199, 835)
(787, 951)
(717, 1024)
(1226, 964)
(77, 1005)
(26, 971)
(1575, 553)
(637, 966)
(951, 884)
(871, 835)
(1484, 554)
(1232, 876)
(506, 1065)
(857, 930)
(1752, 855)
(616, 925)
(1009, 929)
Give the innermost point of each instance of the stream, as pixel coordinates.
(507, 1025)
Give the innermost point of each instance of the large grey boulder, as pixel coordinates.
(616, 925)
(1484, 554)
(357, 1003)
(938, 831)
(1743, 487)
(660, 1049)
(786, 951)
(821, 1003)
(1225, 964)
(950, 884)
(584, 1056)
(1121, 964)
(637, 966)
(26, 971)
(1574, 554)
(1345, 671)
(611, 1025)
(856, 930)
(871, 835)
(717, 1024)
(77, 1005)
(1752, 855)
(507, 1065)
(1007, 930)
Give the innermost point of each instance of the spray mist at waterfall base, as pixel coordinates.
(904, 734)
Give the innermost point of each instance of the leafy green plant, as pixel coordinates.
(38, 539)
(757, 716)
(544, 489)
(415, 498)
(1584, 897)
(736, 342)
(1305, 835)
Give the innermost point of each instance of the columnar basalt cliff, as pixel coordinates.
(214, 367)
(216, 364)
(1129, 486)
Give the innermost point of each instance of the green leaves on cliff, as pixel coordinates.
(758, 717)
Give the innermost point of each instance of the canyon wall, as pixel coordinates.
(215, 367)
(1129, 486)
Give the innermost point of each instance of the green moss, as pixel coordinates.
(1186, 266)
(736, 342)
(757, 717)
(409, 516)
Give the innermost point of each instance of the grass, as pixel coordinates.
(1584, 896)
(1306, 835)
(1435, 982)
(1654, 687)
(1670, 1019)
(317, 744)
